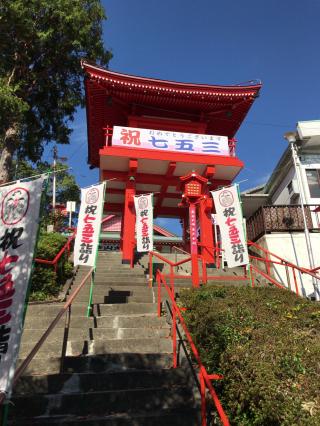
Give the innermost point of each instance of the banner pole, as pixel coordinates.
(5, 407)
(89, 308)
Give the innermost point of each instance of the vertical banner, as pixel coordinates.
(193, 229)
(229, 219)
(89, 223)
(19, 214)
(144, 222)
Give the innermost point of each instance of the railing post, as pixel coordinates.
(252, 276)
(295, 281)
(288, 277)
(159, 294)
(268, 263)
(174, 336)
(172, 280)
(203, 399)
(204, 271)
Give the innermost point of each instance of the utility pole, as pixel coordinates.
(291, 138)
(55, 156)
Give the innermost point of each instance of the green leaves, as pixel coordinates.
(266, 344)
(42, 44)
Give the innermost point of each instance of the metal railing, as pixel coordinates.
(281, 218)
(291, 271)
(172, 275)
(204, 378)
(66, 307)
(54, 262)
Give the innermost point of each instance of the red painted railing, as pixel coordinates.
(204, 378)
(270, 259)
(171, 264)
(21, 369)
(54, 262)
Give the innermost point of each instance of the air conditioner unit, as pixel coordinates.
(293, 189)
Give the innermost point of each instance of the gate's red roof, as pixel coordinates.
(112, 96)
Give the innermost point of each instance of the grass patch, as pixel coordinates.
(266, 343)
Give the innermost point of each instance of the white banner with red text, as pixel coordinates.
(229, 219)
(144, 222)
(89, 223)
(163, 140)
(19, 221)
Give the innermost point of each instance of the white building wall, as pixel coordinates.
(281, 195)
(292, 247)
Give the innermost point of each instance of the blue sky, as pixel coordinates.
(221, 42)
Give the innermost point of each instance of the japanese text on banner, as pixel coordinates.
(162, 140)
(89, 223)
(19, 213)
(144, 222)
(229, 219)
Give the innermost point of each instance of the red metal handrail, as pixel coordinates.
(55, 261)
(205, 378)
(282, 262)
(20, 370)
(171, 264)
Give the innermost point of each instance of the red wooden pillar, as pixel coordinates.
(121, 232)
(206, 231)
(128, 223)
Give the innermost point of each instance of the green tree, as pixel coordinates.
(67, 188)
(41, 46)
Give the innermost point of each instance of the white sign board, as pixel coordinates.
(144, 222)
(89, 223)
(71, 206)
(162, 140)
(229, 219)
(19, 214)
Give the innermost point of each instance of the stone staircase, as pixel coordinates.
(113, 368)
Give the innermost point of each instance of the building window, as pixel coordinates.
(313, 178)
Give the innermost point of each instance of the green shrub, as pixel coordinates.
(49, 245)
(266, 343)
(45, 283)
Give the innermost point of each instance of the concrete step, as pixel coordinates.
(49, 349)
(117, 362)
(116, 271)
(112, 321)
(138, 345)
(98, 363)
(81, 346)
(130, 333)
(32, 322)
(222, 283)
(168, 417)
(107, 333)
(80, 309)
(124, 309)
(122, 283)
(86, 382)
(110, 278)
(126, 321)
(116, 297)
(44, 309)
(103, 402)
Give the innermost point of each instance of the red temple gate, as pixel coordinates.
(146, 134)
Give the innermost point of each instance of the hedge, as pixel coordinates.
(45, 283)
(266, 343)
